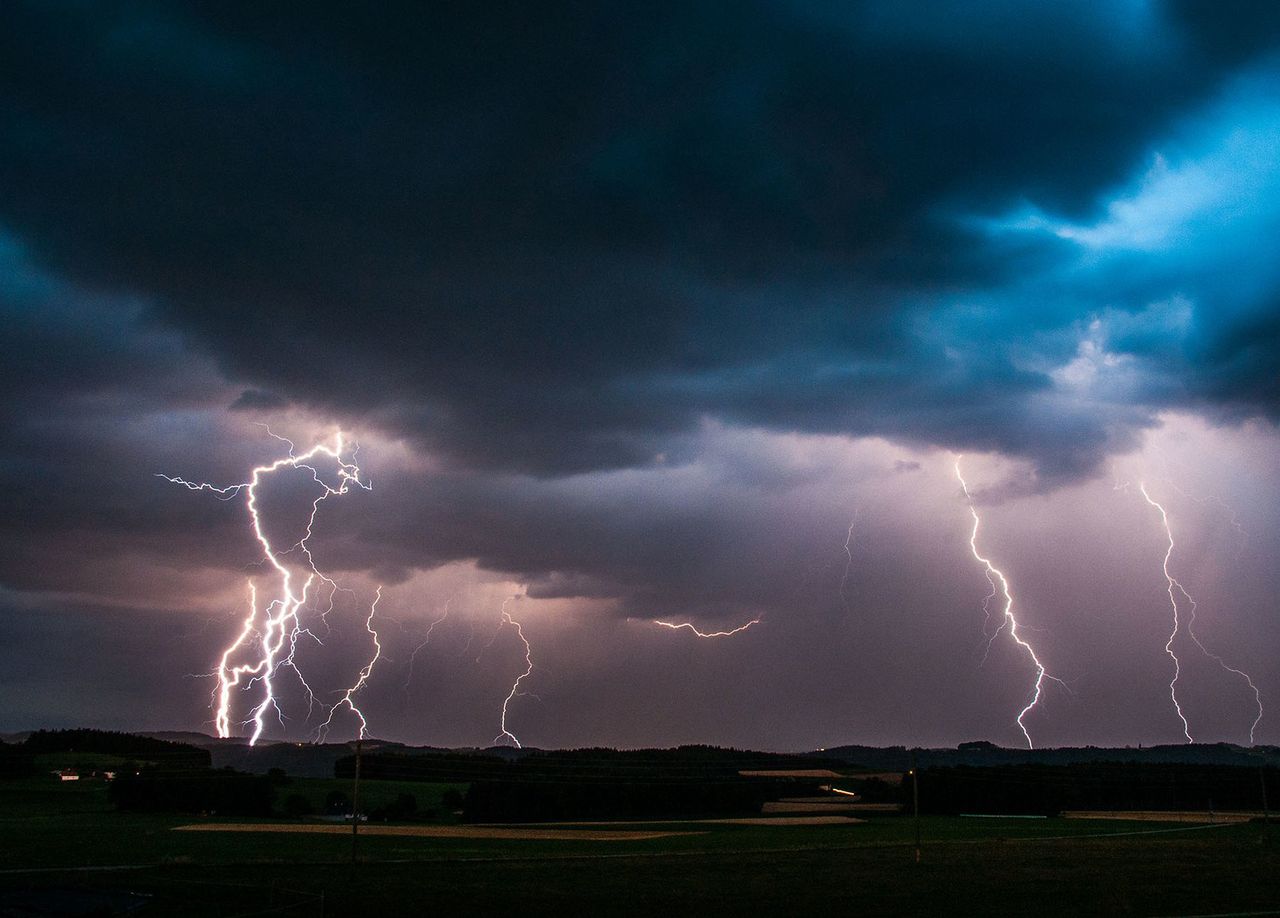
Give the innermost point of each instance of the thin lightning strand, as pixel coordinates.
(280, 617)
(1213, 500)
(471, 636)
(426, 639)
(1173, 603)
(986, 620)
(1174, 584)
(676, 626)
(367, 671)
(1233, 515)
(290, 662)
(994, 576)
(515, 686)
(848, 564)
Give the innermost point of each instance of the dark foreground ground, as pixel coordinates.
(55, 842)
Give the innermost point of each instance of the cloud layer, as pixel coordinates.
(631, 309)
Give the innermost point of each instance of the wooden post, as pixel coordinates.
(355, 803)
(915, 800)
(1266, 811)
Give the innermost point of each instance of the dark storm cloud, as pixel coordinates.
(89, 393)
(549, 240)
(257, 400)
(592, 264)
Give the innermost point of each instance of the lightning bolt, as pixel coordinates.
(676, 626)
(1000, 586)
(269, 628)
(1175, 588)
(1173, 602)
(361, 679)
(426, 639)
(848, 564)
(515, 686)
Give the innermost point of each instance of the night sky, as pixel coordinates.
(674, 311)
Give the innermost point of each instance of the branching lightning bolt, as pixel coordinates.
(346, 699)
(278, 623)
(515, 686)
(676, 626)
(1174, 588)
(1000, 585)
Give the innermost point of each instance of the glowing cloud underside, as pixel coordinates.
(1175, 589)
(1000, 586)
(268, 629)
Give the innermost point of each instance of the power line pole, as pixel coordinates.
(1266, 812)
(355, 803)
(915, 800)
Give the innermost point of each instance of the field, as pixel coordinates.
(63, 840)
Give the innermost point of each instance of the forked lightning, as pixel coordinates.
(266, 630)
(1175, 588)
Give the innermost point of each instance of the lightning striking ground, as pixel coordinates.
(1000, 585)
(367, 671)
(266, 630)
(676, 626)
(1174, 588)
(515, 686)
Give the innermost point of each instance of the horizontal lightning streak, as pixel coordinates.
(676, 626)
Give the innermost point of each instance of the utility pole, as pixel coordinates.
(355, 803)
(1266, 812)
(915, 800)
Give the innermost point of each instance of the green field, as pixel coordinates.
(63, 836)
(377, 794)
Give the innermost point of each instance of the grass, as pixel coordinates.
(376, 794)
(970, 866)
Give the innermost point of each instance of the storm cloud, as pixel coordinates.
(633, 307)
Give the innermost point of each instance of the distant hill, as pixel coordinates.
(1048, 790)
(190, 737)
(898, 758)
(601, 783)
(311, 760)
(127, 746)
(682, 763)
